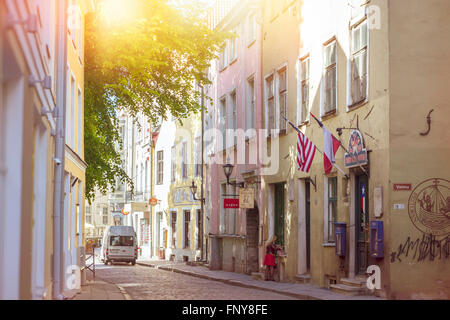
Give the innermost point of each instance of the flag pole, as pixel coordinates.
(340, 142)
(298, 130)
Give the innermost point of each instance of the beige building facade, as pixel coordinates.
(370, 72)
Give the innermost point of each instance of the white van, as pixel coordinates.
(119, 245)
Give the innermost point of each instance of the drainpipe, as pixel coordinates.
(58, 214)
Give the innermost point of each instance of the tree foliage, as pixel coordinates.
(148, 62)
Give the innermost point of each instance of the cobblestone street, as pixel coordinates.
(143, 283)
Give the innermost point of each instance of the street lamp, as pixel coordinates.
(194, 188)
(228, 170)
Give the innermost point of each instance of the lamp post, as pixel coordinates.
(228, 170)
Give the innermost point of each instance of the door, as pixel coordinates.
(308, 225)
(362, 223)
(279, 213)
(252, 238)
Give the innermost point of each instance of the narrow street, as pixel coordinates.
(144, 283)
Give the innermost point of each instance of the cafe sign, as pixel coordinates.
(357, 154)
(246, 198)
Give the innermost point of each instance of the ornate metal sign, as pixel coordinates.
(357, 154)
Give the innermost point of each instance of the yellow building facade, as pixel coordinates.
(184, 217)
(351, 65)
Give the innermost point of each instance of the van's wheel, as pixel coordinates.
(133, 262)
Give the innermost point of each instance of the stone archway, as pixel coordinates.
(252, 239)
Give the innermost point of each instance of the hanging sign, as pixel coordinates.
(357, 154)
(139, 207)
(126, 209)
(153, 201)
(246, 198)
(231, 203)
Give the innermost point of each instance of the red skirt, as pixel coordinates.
(269, 260)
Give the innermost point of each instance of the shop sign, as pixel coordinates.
(357, 154)
(402, 187)
(153, 201)
(231, 203)
(246, 198)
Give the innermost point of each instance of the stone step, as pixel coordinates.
(347, 290)
(357, 283)
(303, 278)
(258, 275)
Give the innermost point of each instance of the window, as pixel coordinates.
(250, 112)
(270, 103)
(222, 120)
(105, 216)
(232, 118)
(304, 89)
(121, 241)
(199, 230)
(223, 189)
(332, 208)
(223, 57)
(146, 177)
(252, 29)
(358, 63)
(160, 167)
(80, 121)
(198, 156)
(233, 44)
(187, 221)
(231, 216)
(72, 113)
(173, 223)
(330, 78)
(174, 164)
(282, 97)
(184, 167)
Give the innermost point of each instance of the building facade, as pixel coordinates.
(30, 48)
(236, 117)
(384, 204)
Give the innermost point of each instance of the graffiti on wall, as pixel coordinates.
(426, 248)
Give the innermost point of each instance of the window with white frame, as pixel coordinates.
(160, 167)
(252, 29)
(270, 96)
(72, 113)
(198, 156)
(223, 56)
(80, 121)
(232, 117)
(304, 89)
(184, 164)
(282, 97)
(174, 163)
(330, 78)
(250, 110)
(233, 46)
(358, 63)
(223, 118)
(331, 211)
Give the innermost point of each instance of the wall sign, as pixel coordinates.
(246, 198)
(357, 154)
(402, 187)
(231, 203)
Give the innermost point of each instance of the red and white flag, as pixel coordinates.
(330, 147)
(306, 151)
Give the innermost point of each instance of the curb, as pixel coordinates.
(231, 282)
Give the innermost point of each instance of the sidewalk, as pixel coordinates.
(302, 291)
(100, 290)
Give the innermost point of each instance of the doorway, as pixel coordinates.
(252, 239)
(304, 227)
(361, 222)
(279, 213)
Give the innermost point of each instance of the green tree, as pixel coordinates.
(148, 61)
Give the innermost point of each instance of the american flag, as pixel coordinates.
(306, 150)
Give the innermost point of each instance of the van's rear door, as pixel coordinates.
(121, 246)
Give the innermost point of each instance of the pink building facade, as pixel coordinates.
(233, 123)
